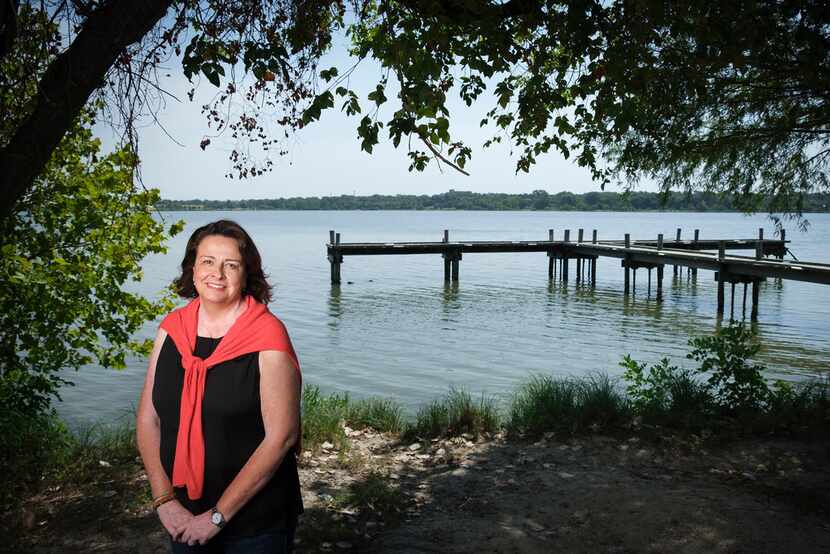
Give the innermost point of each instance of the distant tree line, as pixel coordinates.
(465, 200)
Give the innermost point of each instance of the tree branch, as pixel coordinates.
(65, 88)
(440, 156)
(467, 12)
(8, 25)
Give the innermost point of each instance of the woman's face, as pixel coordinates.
(218, 271)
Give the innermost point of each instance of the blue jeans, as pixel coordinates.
(274, 541)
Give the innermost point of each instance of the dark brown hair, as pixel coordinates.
(255, 282)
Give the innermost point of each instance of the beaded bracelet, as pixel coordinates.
(163, 499)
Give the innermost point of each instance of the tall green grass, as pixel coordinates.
(601, 403)
(568, 405)
(376, 413)
(324, 417)
(455, 414)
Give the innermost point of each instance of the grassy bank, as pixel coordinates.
(48, 453)
(568, 407)
(98, 468)
(725, 396)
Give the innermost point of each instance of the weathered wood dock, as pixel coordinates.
(694, 254)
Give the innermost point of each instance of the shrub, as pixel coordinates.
(33, 444)
(649, 392)
(40, 449)
(666, 393)
(802, 403)
(736, 384)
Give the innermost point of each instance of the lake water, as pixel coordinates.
(394, 329)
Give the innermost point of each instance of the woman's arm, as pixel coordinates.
(173, 515)
(279, 391)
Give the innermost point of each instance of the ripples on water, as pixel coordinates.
(398, 331)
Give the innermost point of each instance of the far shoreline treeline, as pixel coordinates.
(538, 200)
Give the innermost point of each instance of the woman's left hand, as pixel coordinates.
(199, 530)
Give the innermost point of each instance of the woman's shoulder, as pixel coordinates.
(179, 316)
(272, 324)
(165, 345)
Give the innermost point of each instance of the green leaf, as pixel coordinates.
(328, 74)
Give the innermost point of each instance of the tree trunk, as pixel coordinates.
(65, 88)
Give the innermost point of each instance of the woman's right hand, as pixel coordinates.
(174, 517)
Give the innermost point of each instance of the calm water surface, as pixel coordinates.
(394, 329)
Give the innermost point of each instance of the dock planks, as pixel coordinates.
(708, 254)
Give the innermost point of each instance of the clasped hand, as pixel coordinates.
(184, 526)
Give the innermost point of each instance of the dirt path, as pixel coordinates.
(602, 495)
(595, 494)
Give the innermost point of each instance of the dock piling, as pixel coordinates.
(756, 287)
(452, 257)
(594, 260)
(784, 246)
(659, 271)
(625, 263)
(759, 246)
(447, 262)
(551, 258)
(565, 257)
(335, 257)
(659, 282)
(675, 271)
(694, 269)
(721, 277)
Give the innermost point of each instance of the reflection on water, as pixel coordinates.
(335, 307)
(396, 329)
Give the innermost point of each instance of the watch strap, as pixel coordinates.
(217, 521)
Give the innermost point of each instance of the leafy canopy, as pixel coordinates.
(722, 96)
(78, 239)
(725, 97)
(75, 240)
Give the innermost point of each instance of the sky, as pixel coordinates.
(325, 158)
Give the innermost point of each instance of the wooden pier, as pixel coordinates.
(694, 254)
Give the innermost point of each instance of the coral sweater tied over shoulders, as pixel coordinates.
(255, 330)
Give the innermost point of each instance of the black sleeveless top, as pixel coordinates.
(233, 428)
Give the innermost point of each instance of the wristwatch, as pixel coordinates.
(216, 517)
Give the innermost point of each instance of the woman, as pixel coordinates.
(218, 418)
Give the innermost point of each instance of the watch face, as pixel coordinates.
(216, 518)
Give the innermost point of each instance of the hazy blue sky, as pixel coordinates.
(325, 158)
